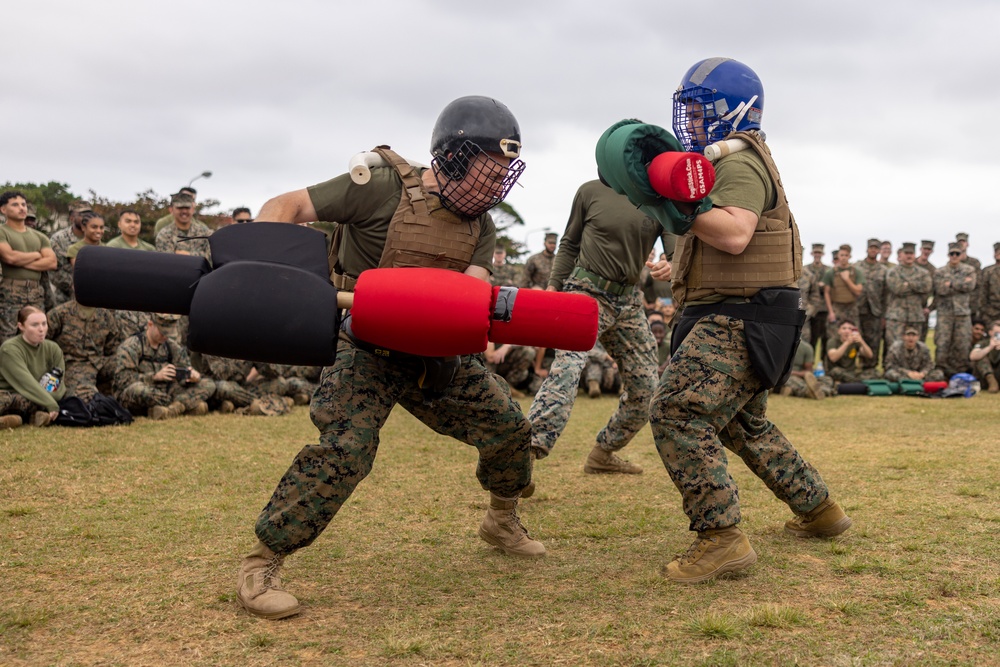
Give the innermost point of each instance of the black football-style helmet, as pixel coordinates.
(467, 128)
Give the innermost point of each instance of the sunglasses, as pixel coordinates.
(954, 254)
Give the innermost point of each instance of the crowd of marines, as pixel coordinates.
(876, 313)
(140, 359)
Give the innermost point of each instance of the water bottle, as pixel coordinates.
(51, 380)
(819, 372)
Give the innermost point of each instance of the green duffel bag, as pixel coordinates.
(881, 387)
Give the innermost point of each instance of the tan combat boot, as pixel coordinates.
(991, 384)
(813, 387)
(713, 552)
(600, 461)
(593, 388)
(200, 408)
(502, 528)
(172, 411)
(258, 587)
(827, 520)
(10, 421)
(301, 398)
(227, 407)
(41, 418)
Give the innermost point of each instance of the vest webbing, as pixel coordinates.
(771, 259)
(420, 238)
(840, 292)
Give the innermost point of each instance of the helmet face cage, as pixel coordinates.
(472, 181)
(718, 96)
(698, 118)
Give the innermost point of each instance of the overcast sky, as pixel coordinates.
(878, 113)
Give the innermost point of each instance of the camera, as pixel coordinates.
(182, 374)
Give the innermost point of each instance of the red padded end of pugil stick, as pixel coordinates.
(681, 176)
(548, 319)
(428, 312)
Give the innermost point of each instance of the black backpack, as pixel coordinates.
(106, 411)
(73, 412)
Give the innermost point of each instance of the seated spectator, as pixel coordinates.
(978, 332)
(985, 358)
(803, 383)
(153, 374)
(910, 359)
(600, 373)
(302, 380)
(129, 225)
(237, 388)
(241, 215)
(514, 364)
(31, 370)
(88, 338)
(843, 350)
(661, 333)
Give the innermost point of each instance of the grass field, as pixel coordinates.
(119, 547)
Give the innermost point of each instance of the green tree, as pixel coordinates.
(505, 217)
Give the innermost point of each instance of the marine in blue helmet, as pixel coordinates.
(734, 280)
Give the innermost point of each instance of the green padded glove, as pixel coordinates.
(623, 155)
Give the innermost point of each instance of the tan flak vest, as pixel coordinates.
(771, 259)
(840, 292)
(417, 238)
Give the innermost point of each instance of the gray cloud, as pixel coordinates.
(878, 113)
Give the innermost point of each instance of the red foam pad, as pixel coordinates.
(548, 319)
(681, 176)
(429, 312)
(934, 387)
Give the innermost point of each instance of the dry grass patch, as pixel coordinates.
(119, 547)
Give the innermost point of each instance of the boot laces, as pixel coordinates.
(270, 578)
(696, 549)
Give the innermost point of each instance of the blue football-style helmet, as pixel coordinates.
(717, 96)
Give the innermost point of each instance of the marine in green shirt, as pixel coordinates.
(129, 225)
(602, 253)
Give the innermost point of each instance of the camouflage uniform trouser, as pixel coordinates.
(982, 368)
(242, 395)
(351, 405)
(894, 331)
(840, 374)
(516, 365)
(12, 403)
(139, 397)
(625, 335)
(871, 331)
(81, 380)
(842, 311)
(710, 400)
(603, 373)
(15, 295)
(952, 343)
(800, 390)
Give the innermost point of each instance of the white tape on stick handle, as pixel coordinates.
(725, 147)
(721, 149)
(360, 166)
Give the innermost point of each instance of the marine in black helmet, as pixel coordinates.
(403, 216)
